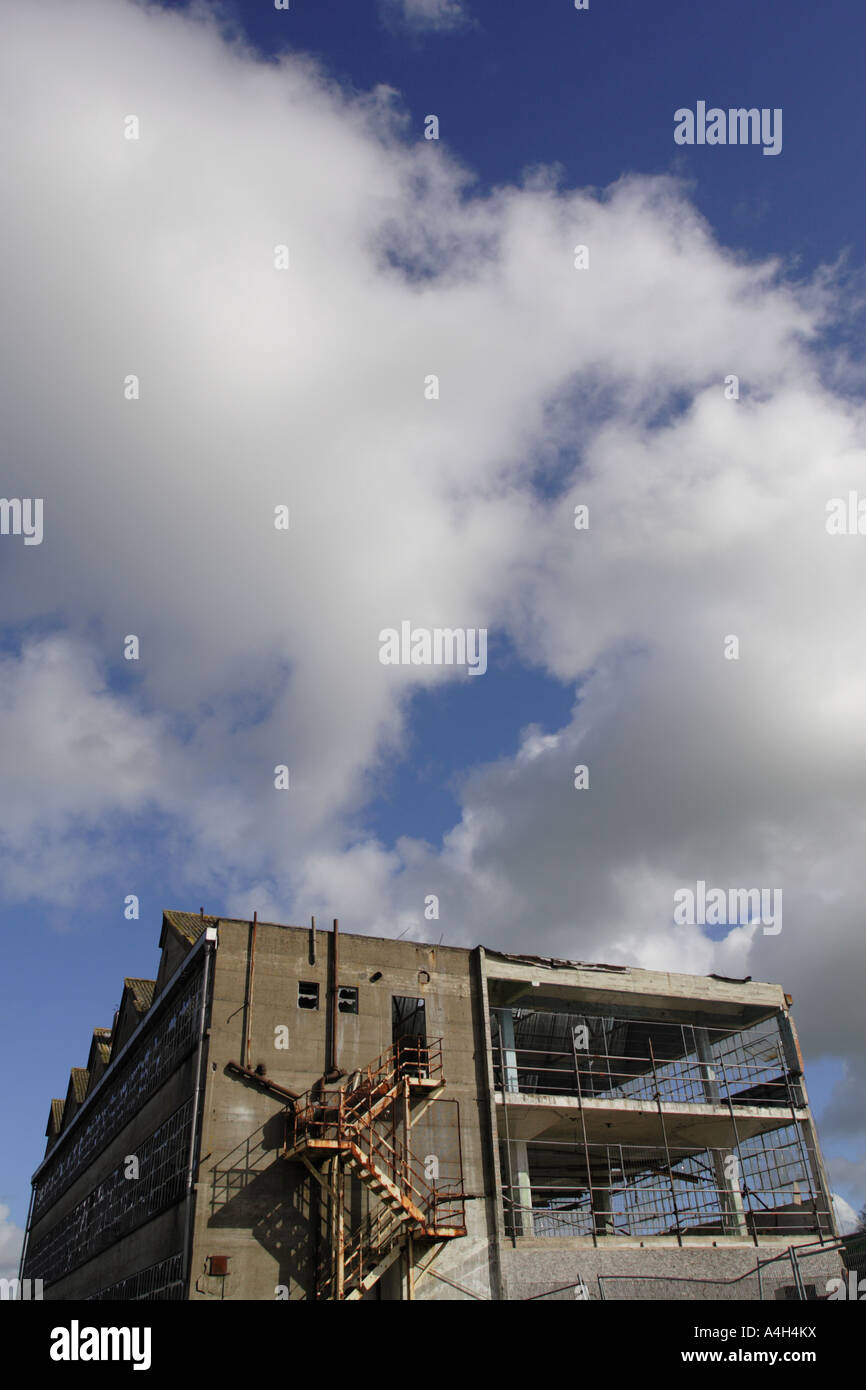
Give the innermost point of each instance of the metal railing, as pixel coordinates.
(571, 1188)
(535, 1071)
(365, 1248)
(536, 1051)
(774, 1278)
(346, 1117)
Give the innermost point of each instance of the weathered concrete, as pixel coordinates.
(535, 1267)
(265, 1213)
(267, 1227)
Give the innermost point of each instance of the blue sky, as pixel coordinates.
(542, 84)
(156, 780)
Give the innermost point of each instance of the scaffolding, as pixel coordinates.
(585, 1074)
(537, 1052)
(628, 1190)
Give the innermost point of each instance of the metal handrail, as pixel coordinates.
(348, 1115)
(675, 1074)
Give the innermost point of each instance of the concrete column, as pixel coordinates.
(813, 1157)
(602, 1210)
(523, 1192)
(793, 1060)
(729, 1187)
(509, 1050)
(487, 1111)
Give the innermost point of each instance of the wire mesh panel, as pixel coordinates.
(158, 1283)
(119, 1203)
(162, 1048)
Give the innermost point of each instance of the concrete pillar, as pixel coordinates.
(793, 1060)
(813, 1157)
(509, 1050)
(602, 1210)
(523, 1187)
(728, 1186)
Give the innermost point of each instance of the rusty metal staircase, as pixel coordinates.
(344, 1130)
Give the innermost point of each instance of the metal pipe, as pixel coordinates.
(263, 1080)
(193, 1138)
(312, 941)
(249, 999)
(335, 1070)
(26, 1233)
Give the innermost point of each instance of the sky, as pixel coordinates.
(238, 302)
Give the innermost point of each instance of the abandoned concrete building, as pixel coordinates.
(292, 1113)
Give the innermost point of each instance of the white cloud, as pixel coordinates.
(11, 1240)
(305, 387)
(847, 1175)
(426, 14)
(845, 1113)
(846, 1217)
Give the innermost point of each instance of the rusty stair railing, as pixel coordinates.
(342, 1123)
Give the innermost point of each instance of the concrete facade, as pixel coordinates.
(668, 1135)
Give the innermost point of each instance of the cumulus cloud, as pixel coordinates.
(847, 1219)
(305, 387)
(11, 1240)
(847, 1175)
(441, 15)
(845, 1113)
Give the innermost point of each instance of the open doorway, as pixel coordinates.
(409, 1027)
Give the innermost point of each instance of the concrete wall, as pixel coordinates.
(534, 1267)
(263, 1212)
(256, 1208)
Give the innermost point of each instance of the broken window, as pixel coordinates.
(347, 999)
(308, 994)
